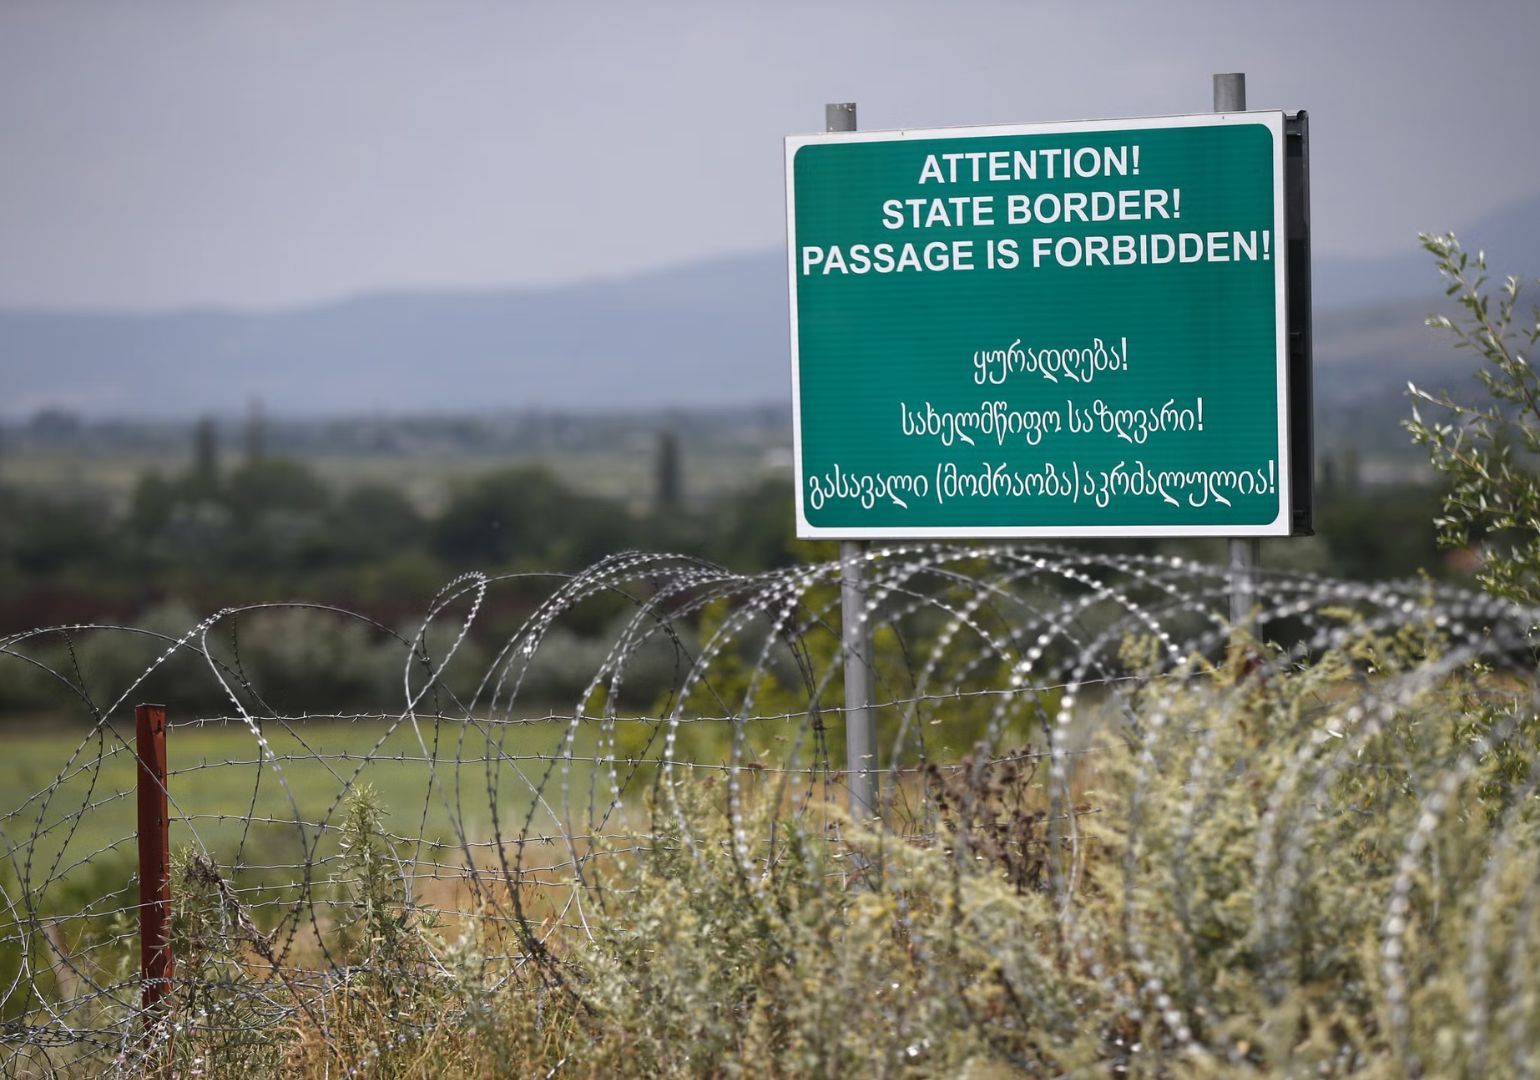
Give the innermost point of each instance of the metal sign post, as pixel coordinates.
(1245, 552)
(855, 627)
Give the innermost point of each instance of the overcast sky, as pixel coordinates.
(257, 155)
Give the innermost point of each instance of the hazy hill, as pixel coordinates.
(700, 335)
(1510, 237)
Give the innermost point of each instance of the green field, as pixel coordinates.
(74, 792)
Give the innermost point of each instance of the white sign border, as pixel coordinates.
(1273, 120)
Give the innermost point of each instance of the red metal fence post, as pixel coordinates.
(154, 860)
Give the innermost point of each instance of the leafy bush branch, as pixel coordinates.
(1487, 450)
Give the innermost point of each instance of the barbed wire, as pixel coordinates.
(477, 756)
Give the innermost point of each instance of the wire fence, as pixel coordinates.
(488, 794)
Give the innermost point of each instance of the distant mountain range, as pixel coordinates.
(703, 334)
(712, 333)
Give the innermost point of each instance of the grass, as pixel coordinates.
(1177, 937)
(1254, 868)
(218, 785)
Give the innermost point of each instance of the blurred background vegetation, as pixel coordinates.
(158, 523)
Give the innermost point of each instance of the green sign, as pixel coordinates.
(1066, 330)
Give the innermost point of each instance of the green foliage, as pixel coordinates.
(525, 515)
(1378, 533)
(1487, 450)
(42, 536)
(757, 528)
(283, 660)
(376, 930)
(864, 956)
(783, 688)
